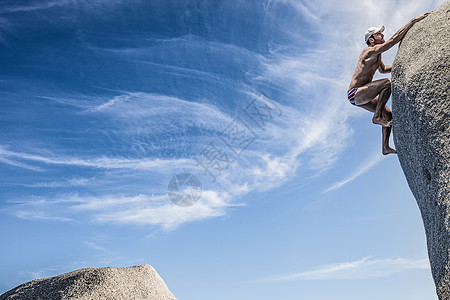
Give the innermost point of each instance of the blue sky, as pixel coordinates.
(104, 102)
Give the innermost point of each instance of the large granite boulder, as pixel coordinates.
(138, 282)
(421, 112)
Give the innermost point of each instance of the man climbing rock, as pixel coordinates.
(373, 95)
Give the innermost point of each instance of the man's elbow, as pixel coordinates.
(386, 69)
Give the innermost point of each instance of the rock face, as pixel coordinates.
(138, 282)
(421, 112)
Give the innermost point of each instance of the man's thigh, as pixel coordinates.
(368, 92)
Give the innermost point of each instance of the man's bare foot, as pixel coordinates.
(389, 150)
(381, 121)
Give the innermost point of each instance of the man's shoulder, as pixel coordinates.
(367, 52)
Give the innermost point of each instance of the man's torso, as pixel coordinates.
(365, 69)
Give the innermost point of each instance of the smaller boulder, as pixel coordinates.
(138, 282)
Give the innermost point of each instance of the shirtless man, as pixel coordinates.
(363, 91)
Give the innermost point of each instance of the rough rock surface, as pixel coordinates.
(421, 111)
(138, 282)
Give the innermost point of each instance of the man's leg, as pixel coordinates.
(386, 131)
(382, 100)
(368, 92)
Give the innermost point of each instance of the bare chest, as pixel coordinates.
(370, 64)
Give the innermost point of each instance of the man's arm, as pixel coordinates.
(398, 36)
(384, 69)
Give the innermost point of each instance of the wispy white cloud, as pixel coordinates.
(95, 246)
(305, 8)
(38, 6)
(364, 268)
(146, 106)
(112, 209)
(7, 161)
(41, 215)
(46, 5)
(169, 216)
(100, 162)
(107, 202)
(103, 255)
(372, 161)
(73, 182)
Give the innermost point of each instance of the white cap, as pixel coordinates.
(372, 30)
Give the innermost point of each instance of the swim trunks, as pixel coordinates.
(351, 96)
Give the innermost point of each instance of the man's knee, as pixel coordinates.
(387, 114)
